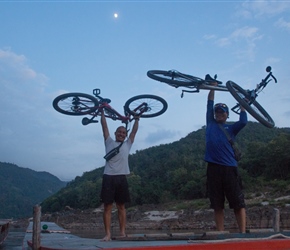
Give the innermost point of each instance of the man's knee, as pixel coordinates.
(120, 206)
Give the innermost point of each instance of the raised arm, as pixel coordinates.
(134, 129)
(211, 92)
(104, 126)
(211, 95)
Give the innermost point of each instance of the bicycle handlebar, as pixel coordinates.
(265, 81)
(268, 69)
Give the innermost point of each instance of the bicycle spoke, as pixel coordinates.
(146, 106)
(249, 102)
(75, 104)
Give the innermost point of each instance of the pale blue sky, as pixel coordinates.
(53, 47)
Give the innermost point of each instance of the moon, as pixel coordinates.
(116, 15)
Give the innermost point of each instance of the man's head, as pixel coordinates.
(121, 134)
(221, 112)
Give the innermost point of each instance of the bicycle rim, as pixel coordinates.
(147, 105)
(174, 78)
(255, 109)
(75, 104)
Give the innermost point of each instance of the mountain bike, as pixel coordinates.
(78, 104)
(245, 98)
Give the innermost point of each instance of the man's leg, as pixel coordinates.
(219, 219)
(240, 214)
(107, 220)
(122, 218)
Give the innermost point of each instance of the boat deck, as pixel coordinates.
(4, 228)
(57, 238)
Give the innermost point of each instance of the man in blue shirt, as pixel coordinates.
(223, 180)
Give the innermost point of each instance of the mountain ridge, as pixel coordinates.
(22, 188)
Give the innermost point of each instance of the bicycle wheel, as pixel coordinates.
(255, 109)
(75, 104)
(174, 78)
(147, 105)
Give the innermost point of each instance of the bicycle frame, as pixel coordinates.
(197, 84)
(110, 112)
(78, 104)
(245, 98)
(205, 84)
(115, 115)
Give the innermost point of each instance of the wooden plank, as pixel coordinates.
(217, 240)
(276, 220)
(4, 229)
(36, 227)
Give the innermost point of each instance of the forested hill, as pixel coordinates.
(23, 188)
(176, 171)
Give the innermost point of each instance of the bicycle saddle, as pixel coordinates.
(107, 100)
(208, 78)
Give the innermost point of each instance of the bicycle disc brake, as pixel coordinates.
(142, 109)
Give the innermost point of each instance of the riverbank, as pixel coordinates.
(170, 217)
(181, 215)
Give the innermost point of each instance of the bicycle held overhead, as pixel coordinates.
(246, 98)
(78, 104)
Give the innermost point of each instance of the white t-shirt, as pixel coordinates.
(118, 165)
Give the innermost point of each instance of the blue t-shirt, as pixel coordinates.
(218, 148)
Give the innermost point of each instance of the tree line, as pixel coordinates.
(177, 171)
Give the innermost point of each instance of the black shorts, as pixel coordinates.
(115, 188)
(224, 181)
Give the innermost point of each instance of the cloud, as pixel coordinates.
(18, 79)
(283, 24)
(250, 34)
(244, 39)
(287, 113)
(209, 37)
(262, 9)
(34, 135)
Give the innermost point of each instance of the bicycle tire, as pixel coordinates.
(175, 79)
(155, 104)
(75, 104)
(255, 109)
